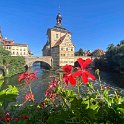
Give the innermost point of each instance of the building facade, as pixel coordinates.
(59, 45)
(14, 48)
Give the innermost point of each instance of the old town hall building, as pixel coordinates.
(59, 45)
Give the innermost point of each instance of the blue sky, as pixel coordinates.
(93, 23)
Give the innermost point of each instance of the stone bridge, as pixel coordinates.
(32, 59)
(48, 59)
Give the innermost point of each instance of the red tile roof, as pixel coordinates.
(60, 40)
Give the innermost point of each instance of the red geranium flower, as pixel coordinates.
(24, 117)
(27, 76)
(47, 93)
(67, 77)
(29, 96)
(82, 70)
(53, 84)
(8, 118)
(16, 119)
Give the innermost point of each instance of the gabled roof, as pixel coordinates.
(8, 40)
(59, 29)
(18, 44)
(60, 40)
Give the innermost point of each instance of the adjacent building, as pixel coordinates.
(59, 44)
(14, 48)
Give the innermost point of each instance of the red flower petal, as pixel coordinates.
(77, 74)
(72, 80)
(29, 96)
(8, 118)
(86, 63)
(81, 62)
(16, 119)
(24, 117)
(90, 75)
(21, 77)
(65, 78)
(85, 78)
(27, 76)
(67, 68)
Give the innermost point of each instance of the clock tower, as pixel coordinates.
(59, 44)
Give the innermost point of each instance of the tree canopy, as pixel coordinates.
(11, 64)
(114, 57)
(80, 52)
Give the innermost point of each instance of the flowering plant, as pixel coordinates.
(74, 97)
(9, 95)
(74, 104)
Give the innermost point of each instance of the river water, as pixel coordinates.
(40, 85)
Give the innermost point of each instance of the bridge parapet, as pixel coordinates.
(48, 59)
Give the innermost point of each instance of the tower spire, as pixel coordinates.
(59, 9)
(59, 18)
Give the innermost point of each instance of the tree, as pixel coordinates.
(122, 42)
(110, 46)
(80, 52)
(98, 53)
(4, 52)
(11, 64)
(114, 58)
(4, 59)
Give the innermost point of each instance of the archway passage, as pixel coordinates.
(46, 61)
(41, 64)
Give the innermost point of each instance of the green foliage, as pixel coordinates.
(16, 65)
(4, 53)
(79, 53)
(65, 105)
(95, 107)
(115, 56)
(6, 96)
(113, 59)
(11, 64)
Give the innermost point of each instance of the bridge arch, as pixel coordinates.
(43, 64)
(45, 59)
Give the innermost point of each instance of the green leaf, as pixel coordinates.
(121, 110)
(8, 95)
(1, 82)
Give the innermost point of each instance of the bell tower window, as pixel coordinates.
(57, 36)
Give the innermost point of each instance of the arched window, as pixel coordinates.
(56, 35)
